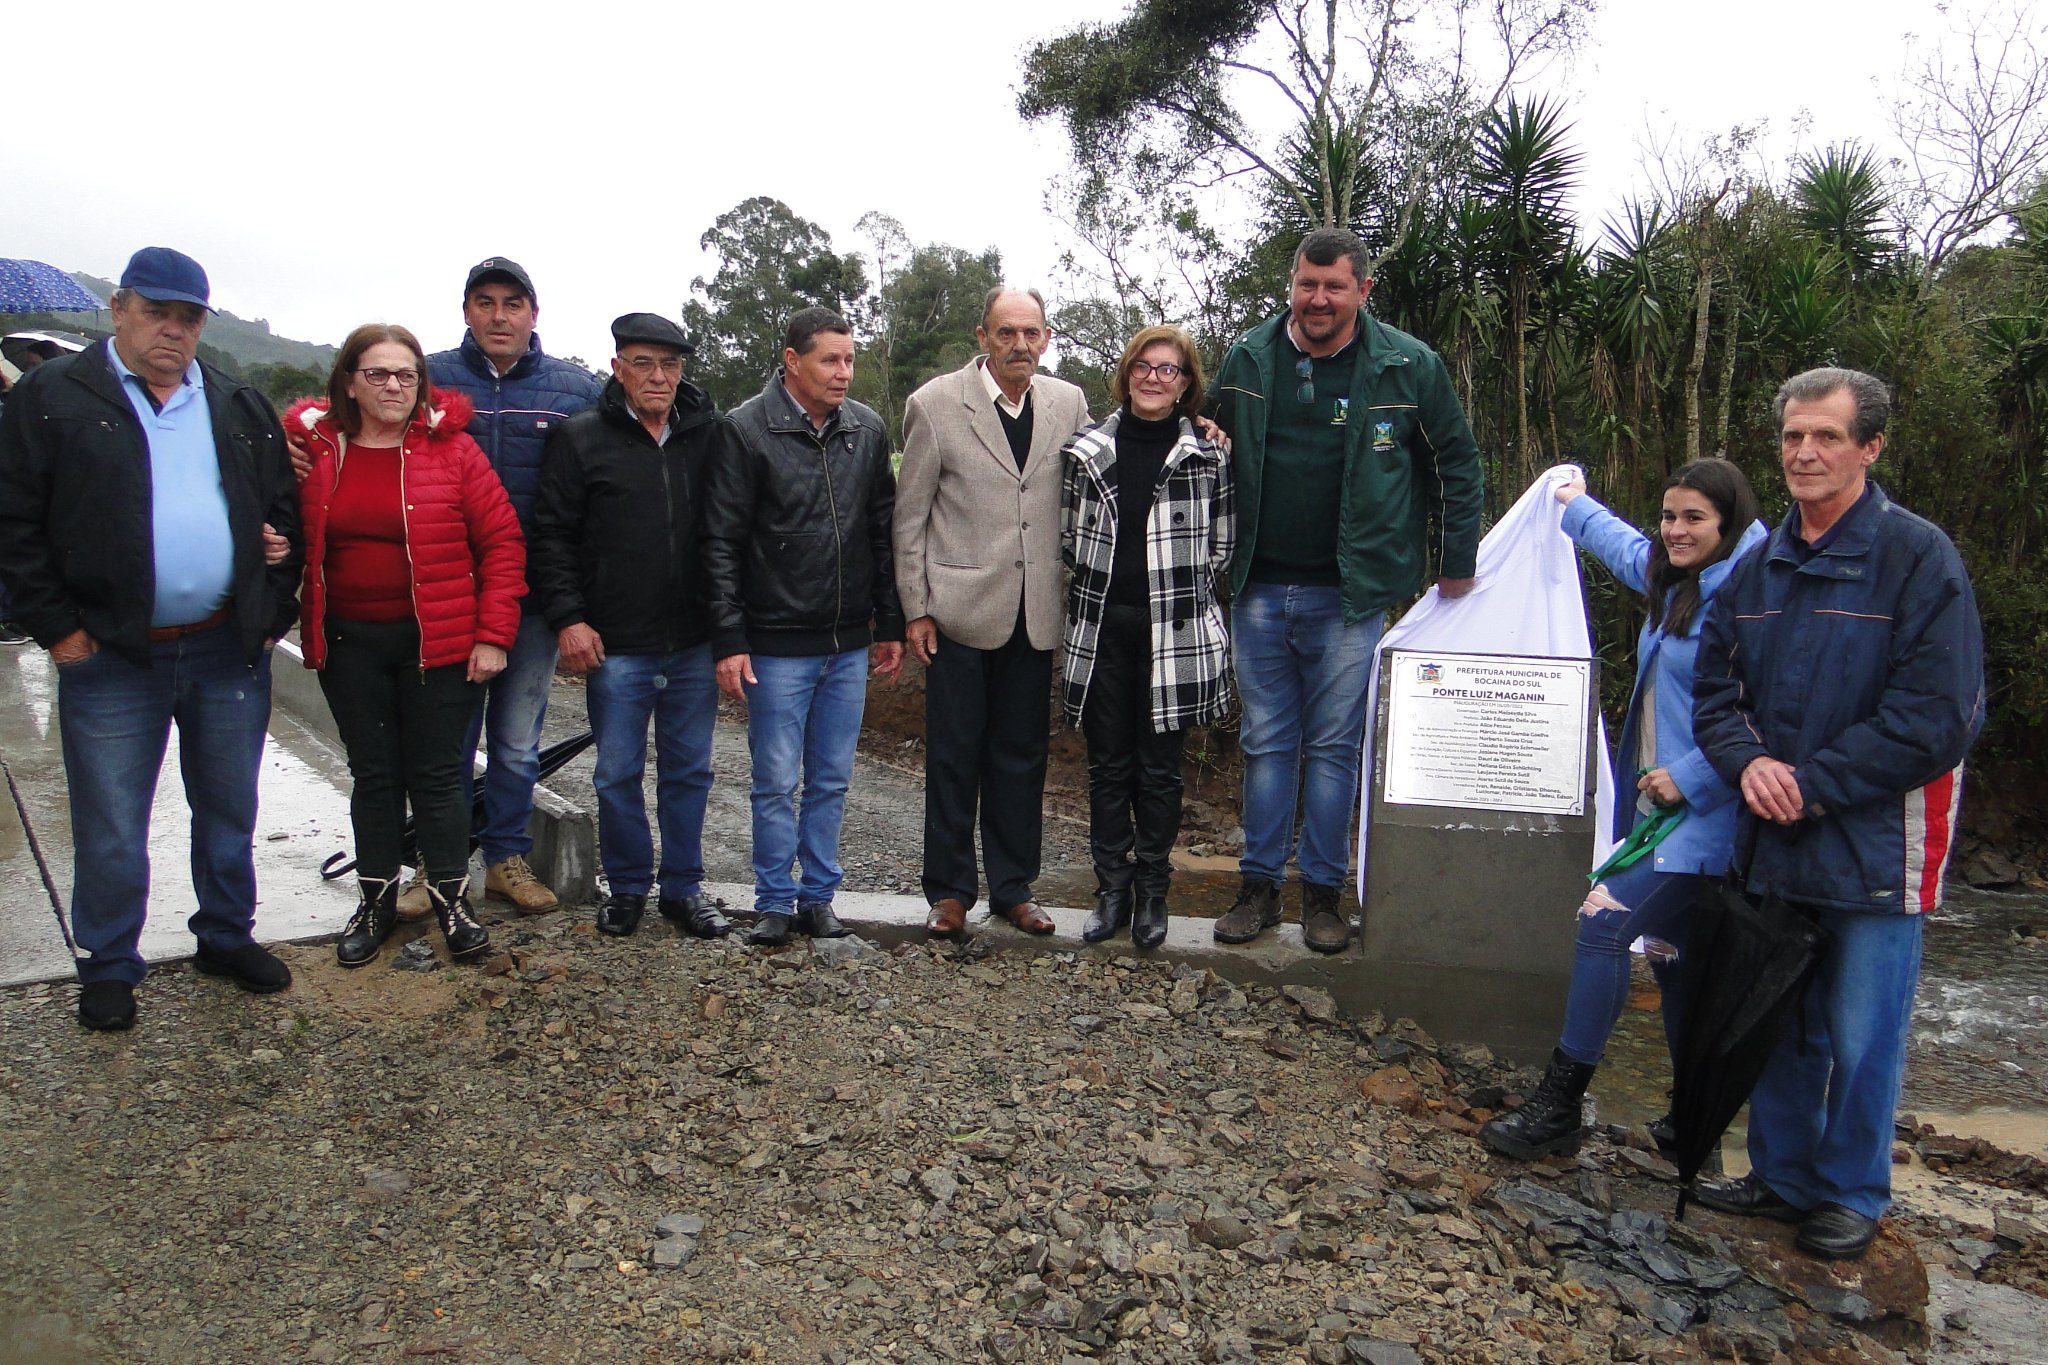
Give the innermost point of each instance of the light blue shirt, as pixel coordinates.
(194, 545)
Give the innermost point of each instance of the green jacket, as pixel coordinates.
(1409, 457)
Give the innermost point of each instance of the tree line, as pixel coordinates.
(1209, 135)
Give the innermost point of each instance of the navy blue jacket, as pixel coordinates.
(515, 415)
(1863, 668)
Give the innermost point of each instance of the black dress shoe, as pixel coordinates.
(816, 919)
(620, 914)
(696, 915)
(106, 1005)
(250, 966)
(1748, 1197)
(1111, 913)
(1148, 926)
(1837, 1233)
(771, 929)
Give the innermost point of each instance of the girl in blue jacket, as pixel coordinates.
(1709, 520)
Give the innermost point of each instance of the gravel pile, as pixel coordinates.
(663, 1150)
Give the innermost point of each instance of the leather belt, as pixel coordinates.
(160, 633)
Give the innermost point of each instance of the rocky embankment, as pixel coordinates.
(661, 1150)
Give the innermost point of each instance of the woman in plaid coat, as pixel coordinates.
(1146, 534)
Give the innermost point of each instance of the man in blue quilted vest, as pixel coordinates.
(521, 394)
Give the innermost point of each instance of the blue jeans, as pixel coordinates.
(803, 724)
(116, 721)
(1820, 1119)
(679, 693)
(513, 707)
(1657, 904)
(1302, 673)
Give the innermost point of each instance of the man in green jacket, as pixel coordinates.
(1347, 442)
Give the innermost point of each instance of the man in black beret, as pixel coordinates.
(614, 563)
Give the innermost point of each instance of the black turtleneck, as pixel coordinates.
(1141, 450)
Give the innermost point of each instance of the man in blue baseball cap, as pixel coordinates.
(136, 482)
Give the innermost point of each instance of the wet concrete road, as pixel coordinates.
(303, 818)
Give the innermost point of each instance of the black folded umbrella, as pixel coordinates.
(552, 760)
(1741, 977)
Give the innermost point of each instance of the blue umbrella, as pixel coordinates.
(32, 287)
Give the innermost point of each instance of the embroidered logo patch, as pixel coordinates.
(1340, 409)
(1382, 436)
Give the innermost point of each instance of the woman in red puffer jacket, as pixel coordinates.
(414, 570)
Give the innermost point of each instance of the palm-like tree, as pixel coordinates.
(1525, 168)
(1634, 300)
(1803, 305)
(1839, 199)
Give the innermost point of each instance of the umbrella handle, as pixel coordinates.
(330, 872)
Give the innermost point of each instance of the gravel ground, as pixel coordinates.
(657, 1149)
(663, 1150)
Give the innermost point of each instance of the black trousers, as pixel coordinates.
(1134, 778)
(406, 732)
(986, 715)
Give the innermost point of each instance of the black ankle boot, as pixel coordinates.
(466, 938)
(1148, 926)
(1548, 1121)
(375, 917)
(1111, 913)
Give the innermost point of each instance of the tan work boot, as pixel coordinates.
(414, 903)
(513, 880)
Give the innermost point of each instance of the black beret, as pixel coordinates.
(650, 329)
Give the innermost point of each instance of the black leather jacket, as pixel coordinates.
(616, 525)
(77, 540)
(797, 530)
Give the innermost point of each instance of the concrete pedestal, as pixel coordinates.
(1469, 914)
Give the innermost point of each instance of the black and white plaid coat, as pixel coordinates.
(1187, 547)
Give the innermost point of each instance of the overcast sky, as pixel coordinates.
(336, 164)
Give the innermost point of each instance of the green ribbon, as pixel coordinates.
(1640, 841)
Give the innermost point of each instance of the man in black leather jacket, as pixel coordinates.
(617, 562)
(798, 511)
(136, 482)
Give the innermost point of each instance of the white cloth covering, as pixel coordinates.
(1528, 600)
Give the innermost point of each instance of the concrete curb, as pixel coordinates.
(564, 835)
(1516, 1014)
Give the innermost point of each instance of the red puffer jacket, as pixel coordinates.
(468, 558)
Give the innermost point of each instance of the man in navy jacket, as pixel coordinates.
(520, 394)
(1840, 683)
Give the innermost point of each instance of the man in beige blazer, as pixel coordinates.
(978, 569)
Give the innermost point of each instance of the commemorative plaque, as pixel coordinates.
(1479, 822)
(1487, 732)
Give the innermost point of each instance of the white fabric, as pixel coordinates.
(1528, 600)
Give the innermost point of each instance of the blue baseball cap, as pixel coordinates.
(167, 276)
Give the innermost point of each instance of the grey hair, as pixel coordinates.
(121, 296)
(988, 302)
(1873, 400)
(1328, 245)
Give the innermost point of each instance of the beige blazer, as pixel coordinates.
(973, 533)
